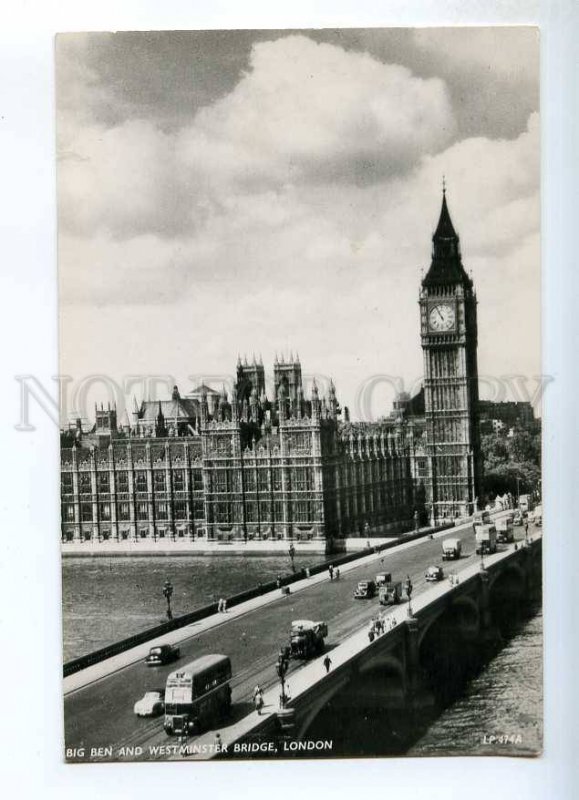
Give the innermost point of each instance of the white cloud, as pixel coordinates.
(253, 228)
(305, 112)
(309, 111)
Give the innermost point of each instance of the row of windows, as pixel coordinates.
(445, 430)
(225, 513)
(301, 479)
(443, 363)
(122, 481)
(160, 511)
(450, 465)
(447, 397)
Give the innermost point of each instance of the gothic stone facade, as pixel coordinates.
(208, 467)
(251, 471)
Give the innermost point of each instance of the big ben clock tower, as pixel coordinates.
(449, 342)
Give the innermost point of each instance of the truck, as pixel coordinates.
(486, 539)
(451, 549)
(505, 530)
(307, 638)
(390, 593)
(382, 578)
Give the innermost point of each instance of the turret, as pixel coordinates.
(315, 402)
(253, 405)
(204, 408)
(281, 399)
(160, 429)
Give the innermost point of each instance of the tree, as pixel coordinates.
(511, 463)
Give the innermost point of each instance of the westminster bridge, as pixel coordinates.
(441, 620)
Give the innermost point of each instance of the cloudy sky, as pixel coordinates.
(276, 191)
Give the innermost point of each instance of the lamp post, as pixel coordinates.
(281, 668)
(292, 553)
(409, 588)
(168, 594)
(518, 490)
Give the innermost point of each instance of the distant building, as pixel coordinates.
(507, 415)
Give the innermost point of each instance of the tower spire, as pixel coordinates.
(446, 266)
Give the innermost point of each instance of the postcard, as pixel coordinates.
(300, 315)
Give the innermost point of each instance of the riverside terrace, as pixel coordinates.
(99, 700)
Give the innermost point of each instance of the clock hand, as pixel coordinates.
(440, 314)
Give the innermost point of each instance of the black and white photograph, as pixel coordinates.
(301, 393)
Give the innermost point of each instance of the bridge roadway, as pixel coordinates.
(100, 714)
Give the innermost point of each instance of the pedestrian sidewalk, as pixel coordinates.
(103, 669)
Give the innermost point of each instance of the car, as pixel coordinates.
(162, 654)
(517, 518)
(434, 573)
(151, 704)
(365, 590)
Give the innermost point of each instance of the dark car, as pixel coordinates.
(365, 590)
(162, 654)
(434, 573)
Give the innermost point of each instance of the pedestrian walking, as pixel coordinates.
(217, 743)
(331, 572)
(337, 574)
(327, 663)
(224, 607)
(258, 701)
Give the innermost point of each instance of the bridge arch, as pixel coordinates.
(510, 578)
(380, 678)
(462, 614)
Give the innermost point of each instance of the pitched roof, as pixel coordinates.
(203, 388)
(171, 409)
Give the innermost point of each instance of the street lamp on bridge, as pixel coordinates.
(292, 554)
(168, 594)
(409, 589)
(282, 668)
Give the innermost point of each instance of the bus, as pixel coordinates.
(197, 694)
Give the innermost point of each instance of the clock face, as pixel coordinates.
(441, 317)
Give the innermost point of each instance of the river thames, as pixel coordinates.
(107, 599)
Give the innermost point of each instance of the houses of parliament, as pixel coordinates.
(209, 467)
